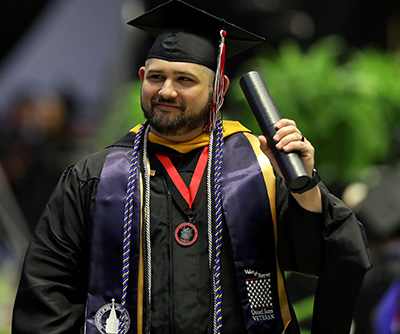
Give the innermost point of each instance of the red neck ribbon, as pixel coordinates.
(189, 194)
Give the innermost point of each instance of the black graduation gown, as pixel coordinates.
(52, 292)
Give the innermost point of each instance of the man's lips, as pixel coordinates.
(163, 106)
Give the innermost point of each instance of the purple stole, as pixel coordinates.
(105, 266)
(250, 227)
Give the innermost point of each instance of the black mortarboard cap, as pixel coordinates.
(188, 34)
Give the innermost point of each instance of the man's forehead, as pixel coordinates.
(160, 65)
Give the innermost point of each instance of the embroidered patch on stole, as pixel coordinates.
(107, 318)
(260, 295)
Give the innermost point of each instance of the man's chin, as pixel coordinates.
(167, 128)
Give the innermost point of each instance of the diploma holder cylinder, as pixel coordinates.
(267, 115)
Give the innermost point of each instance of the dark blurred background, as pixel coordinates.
(69, 86)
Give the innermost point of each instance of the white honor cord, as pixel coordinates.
(146, 233)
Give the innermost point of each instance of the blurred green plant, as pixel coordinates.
(8, 278)
(122, 116)
(346, 102)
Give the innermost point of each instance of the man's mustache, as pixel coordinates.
(172, 102)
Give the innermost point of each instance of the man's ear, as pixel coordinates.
(226, 84)
(141, 73)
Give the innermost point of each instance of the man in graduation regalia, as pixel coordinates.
(183, 226)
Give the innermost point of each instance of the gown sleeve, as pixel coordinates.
(331, 246)
(52, 292)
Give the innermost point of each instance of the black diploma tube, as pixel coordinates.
(267, 114)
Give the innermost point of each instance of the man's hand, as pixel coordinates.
(288, 138)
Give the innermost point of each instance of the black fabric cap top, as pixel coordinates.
(188, 34)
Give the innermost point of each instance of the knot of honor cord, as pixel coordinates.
(218, 89)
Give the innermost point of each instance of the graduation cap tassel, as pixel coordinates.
(218, 90)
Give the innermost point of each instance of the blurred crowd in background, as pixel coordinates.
(64, 66)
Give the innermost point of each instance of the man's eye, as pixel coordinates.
(156, 77)
(185, 79)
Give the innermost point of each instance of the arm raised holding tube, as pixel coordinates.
(289, 152)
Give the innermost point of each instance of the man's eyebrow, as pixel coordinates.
(154, 71)
(160, 71)
(185, 73)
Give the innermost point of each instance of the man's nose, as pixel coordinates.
(168, 90)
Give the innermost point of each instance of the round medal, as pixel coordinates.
(186, 234)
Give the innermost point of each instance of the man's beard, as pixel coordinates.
(176, 125)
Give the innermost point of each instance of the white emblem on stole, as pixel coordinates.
(259, 293)
(106, 318)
